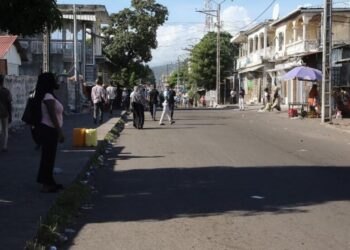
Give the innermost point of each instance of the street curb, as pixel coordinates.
(52, 230)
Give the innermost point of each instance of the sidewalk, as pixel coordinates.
(342, 125)
(21, 202)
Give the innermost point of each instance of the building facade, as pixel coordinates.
(90, 19)
(272, 48)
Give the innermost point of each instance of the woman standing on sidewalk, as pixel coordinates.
(50, 129)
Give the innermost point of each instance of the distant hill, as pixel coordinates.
(163, 70)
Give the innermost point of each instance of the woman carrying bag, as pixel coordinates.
(49, 129)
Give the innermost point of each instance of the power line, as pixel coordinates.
(260, 15)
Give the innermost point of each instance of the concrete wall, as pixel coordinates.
(20, 86)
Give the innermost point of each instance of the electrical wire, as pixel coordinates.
(260, 15)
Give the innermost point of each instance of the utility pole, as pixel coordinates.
(46, 50)
(218, 47)
(218, 54)
(178, 74)
(76, 65)
(326, 110)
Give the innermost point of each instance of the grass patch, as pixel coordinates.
(68, 204)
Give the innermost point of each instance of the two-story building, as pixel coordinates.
(290, 41)
(90, 19)
(298, 41)
(254, 60)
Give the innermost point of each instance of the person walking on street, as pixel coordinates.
(233, 96)
(98, 97)
(171, 102)
(5, 113)
(49, 129)
(241, 94)
(153, 102)
(111, 95)
(166, 110)
(137, 102)
(126, 99)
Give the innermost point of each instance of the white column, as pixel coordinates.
(248, 49)
(294, 31)
(254, 43)
(306, 20)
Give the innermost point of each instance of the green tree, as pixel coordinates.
(133, 32)
(182, 72)
(203, 60)
(29, 17)
(132, 75)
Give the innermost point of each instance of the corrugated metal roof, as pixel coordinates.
(5, 44)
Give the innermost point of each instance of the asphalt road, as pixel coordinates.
(222, 180)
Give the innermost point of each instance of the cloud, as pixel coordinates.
(234, 18)
(173, 39)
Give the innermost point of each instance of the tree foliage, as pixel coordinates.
(133, 33)
(130, 39)
(203, 60)
(132, 76)
(29, 17)
(181, 74)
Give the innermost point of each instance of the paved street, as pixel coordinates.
(222, 180)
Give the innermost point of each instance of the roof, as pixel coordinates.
(87, 12)
(5, 44)
(242, 35)
(306, 10)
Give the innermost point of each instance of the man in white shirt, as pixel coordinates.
(166, 110)
(111, 94)
(98, 97)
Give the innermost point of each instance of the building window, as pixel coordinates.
(280, 41)
(57, 35)
(250, 46)
(336, 76)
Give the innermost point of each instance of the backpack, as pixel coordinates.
(3, 109)
(32, 112)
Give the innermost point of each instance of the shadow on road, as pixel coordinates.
(160, 194)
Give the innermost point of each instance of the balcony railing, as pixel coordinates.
(254, 58)
(302, 46)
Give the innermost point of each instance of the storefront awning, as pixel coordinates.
(250, 69)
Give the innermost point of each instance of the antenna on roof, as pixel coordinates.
(276, 12)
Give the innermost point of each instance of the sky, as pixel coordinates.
(185, 25)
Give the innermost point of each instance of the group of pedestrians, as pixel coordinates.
(102, 97)
(269, 104)
(141, 99)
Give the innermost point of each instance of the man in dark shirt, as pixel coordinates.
(5, 113)
(153, 102)
(171, 101)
